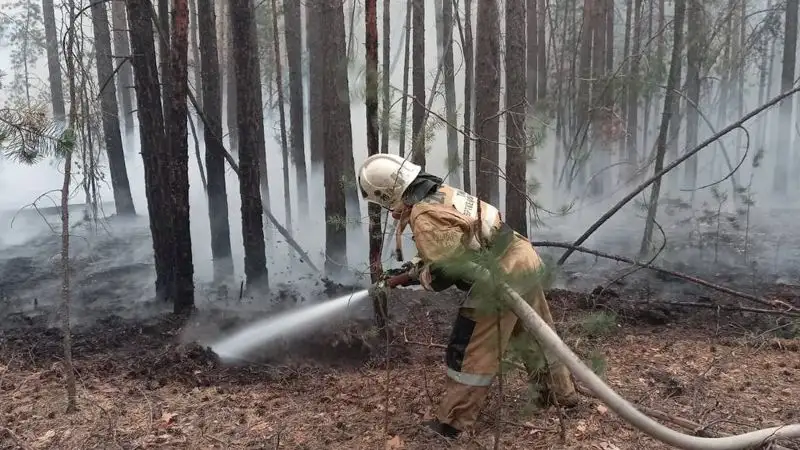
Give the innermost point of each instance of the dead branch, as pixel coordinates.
(729, 308)
(574, 247)
(671, 166)
(429, 344)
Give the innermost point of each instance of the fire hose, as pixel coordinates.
(545, 335)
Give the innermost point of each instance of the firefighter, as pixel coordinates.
(445, 225)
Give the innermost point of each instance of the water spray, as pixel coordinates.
(299, 321)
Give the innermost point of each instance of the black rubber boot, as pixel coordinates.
(442, 429)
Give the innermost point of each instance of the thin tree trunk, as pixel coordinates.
(632, 116)
(661, 146)
(450, 95)
(516, 142)
(231, 101)
(282, 114)
(215, 161)
(122, 53)
(532, 52)
(123, 201)
(375, 235)
(386, 83)
(53, 64)
(404, 101)
(541, 66)
(418, 144)
(487, 82)
(163, 49)
(694, 59)
(182, 288)
(250, 127)
(193, 44)
(626, 61)
(469, 92)
(785, 128)
(609, 36)
(293, 30)
(69, 370)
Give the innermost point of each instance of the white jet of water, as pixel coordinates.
(282, 325)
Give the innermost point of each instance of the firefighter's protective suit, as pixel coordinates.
(448, 224)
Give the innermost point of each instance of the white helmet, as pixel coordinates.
(384, 177)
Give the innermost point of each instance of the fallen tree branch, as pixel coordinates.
(728, 307)
(575, 247)
(604, 218)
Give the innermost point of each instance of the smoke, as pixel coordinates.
(706, 239)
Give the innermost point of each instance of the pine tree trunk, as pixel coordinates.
(294, 55)
(626, 54)
(154, 147)
(784, 127)
(123, 201)
(418, 144)
(450, 95)
(375, 235)
(694, 60)
(178, 135)
(632, 108)
(230, 79)
(469, 93)
(53, 64)
(487, 82)
(406, 64)
(215, 161)
(541, 65)
(194, 20)
(532, 51)
(250, 127)
(163, 51)
(282, 114)
(122, 53)
(386, 72)
(334, 135)
(661, 145)
(516, 142)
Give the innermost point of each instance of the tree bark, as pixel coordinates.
(661, 145)
(450, 94)
(418, 144)
(123, 201)
(333, 135)
(532, 52)
(215, 161)
(122, 53)
(784, 123)
(53, 64)
(487, 82)
(386, 83)
(314, 41)
(250, 127)
(151, 134)
(281, 112)
(294, 54)
(182, 283)
(404, 100)
(193, 45)
(163, 51)
(632, 109)
(469, 93)
(516, 142)
(694, 61)
(541, 66)
(375, 235)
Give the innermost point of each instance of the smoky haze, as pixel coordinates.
(29, 249)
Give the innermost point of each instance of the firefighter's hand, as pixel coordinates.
(425, 278)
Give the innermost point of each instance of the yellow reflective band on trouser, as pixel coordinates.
(470, 379)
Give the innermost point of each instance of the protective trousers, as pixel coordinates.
(476, 346)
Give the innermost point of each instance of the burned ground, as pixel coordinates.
(146, 380)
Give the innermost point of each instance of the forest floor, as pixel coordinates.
(145, 382)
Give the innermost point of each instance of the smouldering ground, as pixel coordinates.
(140, 388)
